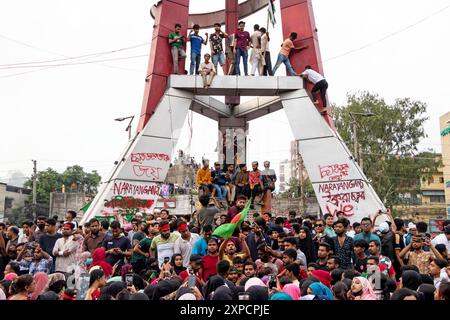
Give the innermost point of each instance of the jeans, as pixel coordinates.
(221, 192)
(283, 59)
(244, 54)
(195, 63)
(321, 86)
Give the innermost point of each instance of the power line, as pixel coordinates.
(390, 35)
(75, 57)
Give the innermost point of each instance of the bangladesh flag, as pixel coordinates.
(86, 207)
(272, 13)
(226, 230)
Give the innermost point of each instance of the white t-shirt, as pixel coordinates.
(441, 239)
(209, 66)
(185, 247)
(313, 76)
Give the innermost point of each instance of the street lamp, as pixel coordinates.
(356, 146)
(128, 129)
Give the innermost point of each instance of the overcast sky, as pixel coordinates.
(65, 115)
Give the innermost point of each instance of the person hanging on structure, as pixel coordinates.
(320, 84)
(283, 56)
(177, 41)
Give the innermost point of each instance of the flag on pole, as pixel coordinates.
(272, 13)
(226, 230)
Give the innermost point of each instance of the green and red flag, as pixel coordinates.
(272, 13)
(226, 230)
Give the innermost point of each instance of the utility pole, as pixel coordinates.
(34, 188)
(355, 141)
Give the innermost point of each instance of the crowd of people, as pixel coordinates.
(163, 257)
(236, 49)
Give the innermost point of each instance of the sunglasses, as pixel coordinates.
(318, 225)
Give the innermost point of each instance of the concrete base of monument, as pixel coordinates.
(135, 182)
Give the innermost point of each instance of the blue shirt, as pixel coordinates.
(200, 247)
(196, 43)
(368, 238)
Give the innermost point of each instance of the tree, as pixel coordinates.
(50, 181)
(389, 142)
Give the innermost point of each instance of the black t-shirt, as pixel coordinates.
(47, 242)
(123, 243)
(360, 264)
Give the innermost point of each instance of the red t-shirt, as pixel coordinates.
(209, 266)
(185, 274)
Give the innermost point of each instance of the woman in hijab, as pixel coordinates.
(362, 289)
(410, 279)
(56, 283)
(213, 283)
(292, 290)
(41, 279)
(177, 263)
(254, 282)
(320, 291)
(306, 244)
(323, 276)
(222, 293)
(99, 259)
(258, 293)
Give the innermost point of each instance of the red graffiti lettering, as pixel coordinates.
(150, 172)
(141, 157)
(125, 188)
(335, 172)
(347, 209)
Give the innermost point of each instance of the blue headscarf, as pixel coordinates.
(319, 289)
(280, 296)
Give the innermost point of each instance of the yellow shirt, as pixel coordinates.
(203, 176)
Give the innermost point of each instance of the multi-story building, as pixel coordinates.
(11, 198)
(445, 140)
(285, 175)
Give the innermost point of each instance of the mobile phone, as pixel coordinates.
(272, 282)
(191, 281)
(129, 279)
(166, 260)
(243, 296)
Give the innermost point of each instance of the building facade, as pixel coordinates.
(445, 140)
(11, 198)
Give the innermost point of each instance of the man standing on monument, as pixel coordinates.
(177, 41)
(196, 48)
(216, 43)
(241, 44)
(256, 57)
(265, 52)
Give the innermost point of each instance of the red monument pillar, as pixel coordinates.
(298, 16)
(167, 14)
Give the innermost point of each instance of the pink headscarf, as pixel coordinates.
(367, 290)
(41, 279)
(292, 290)
(10, 276)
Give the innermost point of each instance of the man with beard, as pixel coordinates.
(65, 249)
(211, 259)
(266, 259)
(117, 246)
(201, 245)
(320, 235)
(343, 244)
(236, 209)
(257, 236)
(48, 240)
(250, 269)
(184, 244)
(323, 253)
(163, 245)
(228, 250)
(256, 184)
(95, 237)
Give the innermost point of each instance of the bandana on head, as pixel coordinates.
(165, 227)
(69, 225)
(182, 227)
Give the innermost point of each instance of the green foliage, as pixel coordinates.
(74, 179)
(389, 142)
